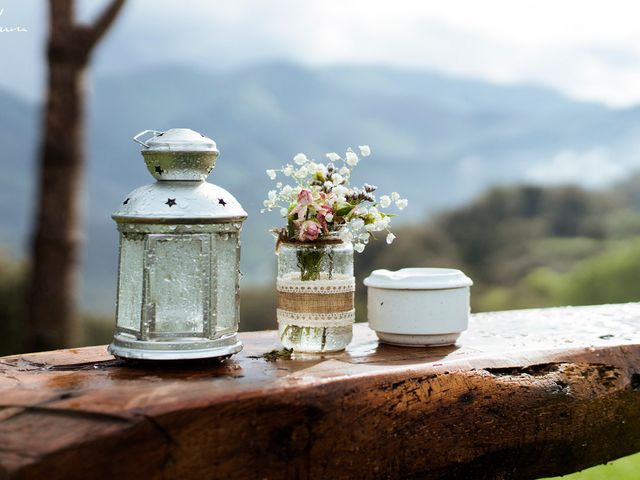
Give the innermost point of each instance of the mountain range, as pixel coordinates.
(436, 139)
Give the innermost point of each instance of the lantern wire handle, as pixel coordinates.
(142, 142)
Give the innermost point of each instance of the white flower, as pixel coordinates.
(373, 211)
(390, 238)
(402, 203)
(383, 223)
(284, 212)
(300, 159)
(322, 169)
(337, 178)
(288, 170)
(271, 174)
(351, 158)
(327, 185)
(333, 157)
(340, 190)
(364, 236)
(385, 201)
(301, 172)
(359, 247)
(365, 151)
(357, 224)
(395, 196)
(286, 190)
(344, 171)
(345, 235)
(329, 217)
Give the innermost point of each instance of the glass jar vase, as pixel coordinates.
(315, 295)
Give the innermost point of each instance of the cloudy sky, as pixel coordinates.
(587, 49)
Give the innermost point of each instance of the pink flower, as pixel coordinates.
(305, 200)
(305, 197)
(309, 231)
(322, 216)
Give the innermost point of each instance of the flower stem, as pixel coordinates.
(310, 263)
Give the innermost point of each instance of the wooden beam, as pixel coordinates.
(525, 394)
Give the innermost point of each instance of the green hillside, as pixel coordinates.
(531, 247)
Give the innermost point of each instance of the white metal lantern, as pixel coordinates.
(178, 278)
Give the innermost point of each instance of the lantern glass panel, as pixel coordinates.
(178, 276)
(130, 281)
(227, 252)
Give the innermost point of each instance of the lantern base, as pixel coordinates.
(127, 347)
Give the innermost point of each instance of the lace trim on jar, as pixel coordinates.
(292, 283)
(322, 320)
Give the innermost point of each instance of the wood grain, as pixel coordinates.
(524, 394)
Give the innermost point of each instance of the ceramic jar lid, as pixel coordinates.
(418, 279)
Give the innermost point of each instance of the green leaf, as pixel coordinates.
(344, 209)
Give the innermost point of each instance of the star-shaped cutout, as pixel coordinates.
(126, 201)
(222, 202)
(159, 170)
(170, 201)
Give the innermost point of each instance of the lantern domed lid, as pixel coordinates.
(178, 154)
(179, 202)
(176, 140)
(180, 159)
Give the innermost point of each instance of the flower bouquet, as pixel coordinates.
(326, 220)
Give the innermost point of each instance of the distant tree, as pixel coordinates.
(57, 235)
(611, 277)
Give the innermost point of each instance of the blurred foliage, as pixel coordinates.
(612, 276)
(96, 329)
(627, 468)
(528, 246)
(258, 308)
(12, 304)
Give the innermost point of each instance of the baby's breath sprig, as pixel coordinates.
(323, 205)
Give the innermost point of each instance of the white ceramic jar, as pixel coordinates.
(418, 306)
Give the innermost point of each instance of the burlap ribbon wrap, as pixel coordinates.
(316, 303)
